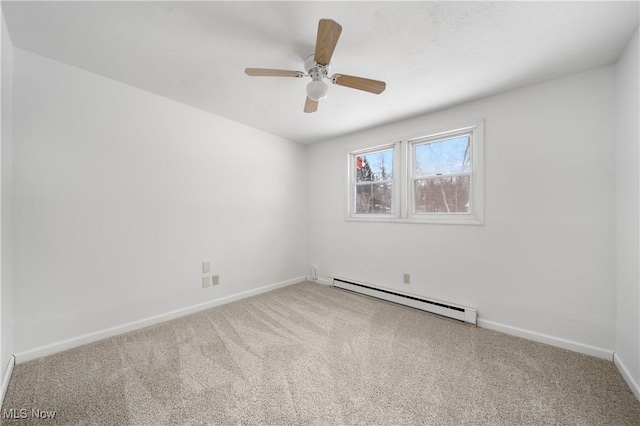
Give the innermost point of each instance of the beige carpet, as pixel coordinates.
(309, 354)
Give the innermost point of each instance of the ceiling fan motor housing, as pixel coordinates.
(315, 70)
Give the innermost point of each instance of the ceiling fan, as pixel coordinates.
(318, 65)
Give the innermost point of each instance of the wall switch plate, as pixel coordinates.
(406, 278)
(206, 267)
(216, 279)
(206, 282)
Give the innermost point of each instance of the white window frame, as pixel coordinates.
(404, 175)
(396, 191)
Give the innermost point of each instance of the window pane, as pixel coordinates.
(374, 166)
(374, 198)
(363, 198)
(442, 195)
(382, 198)
(443, 157)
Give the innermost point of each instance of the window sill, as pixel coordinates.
(466, 220)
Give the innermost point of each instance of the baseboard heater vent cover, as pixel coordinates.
(445, 309)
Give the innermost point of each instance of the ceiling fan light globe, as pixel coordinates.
(317, 90)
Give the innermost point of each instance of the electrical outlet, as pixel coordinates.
(406, 278)
(206, 267)
(216, 279)
(206, 282)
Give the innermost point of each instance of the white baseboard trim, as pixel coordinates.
(7, 376)
(626, 375)
(549, 340)
(322, 281)
(124, 328)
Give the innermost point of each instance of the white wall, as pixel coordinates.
(544, 260)
(6, 90)
(119, 195)
(628, 213)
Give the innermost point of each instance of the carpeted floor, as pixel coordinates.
(310, 354)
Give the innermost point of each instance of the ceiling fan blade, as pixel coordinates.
(265, 72)
(372, 86)
(310, 105)
(328, 34)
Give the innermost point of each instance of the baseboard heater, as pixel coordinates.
(445, 309)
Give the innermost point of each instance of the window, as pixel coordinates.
(372, 182)
(438, 180)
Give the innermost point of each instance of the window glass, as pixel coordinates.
(443, 157)
(373, 182)
(374, 198)
(442, 175)
(374, 166)
(442, 194)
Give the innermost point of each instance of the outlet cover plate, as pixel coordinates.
(206, 282)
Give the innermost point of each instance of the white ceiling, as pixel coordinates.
(431, 54)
